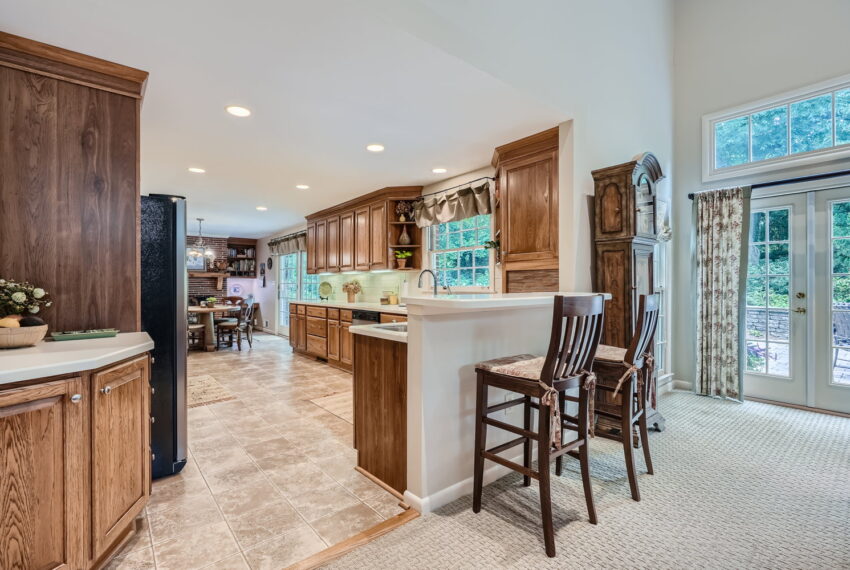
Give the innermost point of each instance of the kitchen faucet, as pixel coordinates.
(434, 277)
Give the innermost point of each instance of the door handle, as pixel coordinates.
(800, 310)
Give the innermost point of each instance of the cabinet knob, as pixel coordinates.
(77, 398)
(106, 390)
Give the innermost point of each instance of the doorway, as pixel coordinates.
(797, 348)
(293, 284)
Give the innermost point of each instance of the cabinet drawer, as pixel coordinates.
(317, 327)
(302, 309)
(317, 312)
(393, 318)
(333, 314)
(317, 346)
(293, 308)
(345, 315)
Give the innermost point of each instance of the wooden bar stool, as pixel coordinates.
(576, 328)
(624, 373)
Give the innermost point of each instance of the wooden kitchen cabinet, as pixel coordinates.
(311, 248)
(321, 246)
(527, 212)
(76, 465)
(346, 241)
(346, 345)
(393, 318)
(332, 244)
(378, 250)
(362, 238)
(333, 341)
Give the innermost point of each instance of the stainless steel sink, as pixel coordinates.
(395, 327)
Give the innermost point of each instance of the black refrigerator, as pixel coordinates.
(164, 318)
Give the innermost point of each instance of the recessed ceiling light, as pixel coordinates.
(196, 170)
(262, 208)
(302, 186)
(375, 147)
(238, 111)
(439, 170)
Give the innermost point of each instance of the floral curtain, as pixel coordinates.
(453, 206)
(288, 244)
(722, 220)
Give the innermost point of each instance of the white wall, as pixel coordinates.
(728, 53)
(267, 296)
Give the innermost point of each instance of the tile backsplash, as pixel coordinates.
(373, 284)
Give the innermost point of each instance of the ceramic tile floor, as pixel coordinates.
(270, 478)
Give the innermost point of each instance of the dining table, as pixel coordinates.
(206, 315)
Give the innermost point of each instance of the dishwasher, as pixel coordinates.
(365, 317)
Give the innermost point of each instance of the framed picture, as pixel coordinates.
(195, 263)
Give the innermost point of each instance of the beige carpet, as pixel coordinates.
(736, 486)
(340, 405)
(205, 389)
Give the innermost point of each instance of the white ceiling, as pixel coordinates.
(323, 79)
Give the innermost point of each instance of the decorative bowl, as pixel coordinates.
(23, 336)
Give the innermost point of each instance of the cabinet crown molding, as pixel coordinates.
(390, 192)
(544, 140)
(59, 63)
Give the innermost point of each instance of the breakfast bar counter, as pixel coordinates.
(447, 335)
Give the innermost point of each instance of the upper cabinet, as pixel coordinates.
(527, 212)
(360, 234)
(625, 199)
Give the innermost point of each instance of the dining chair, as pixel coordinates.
(575, 333)
(625, 373)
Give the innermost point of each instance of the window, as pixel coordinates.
(294, 284)
(802, 127)
(840, 285)
(458, 256)
(309, 283)
(661, 344)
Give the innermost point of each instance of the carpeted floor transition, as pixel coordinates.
(735, 486)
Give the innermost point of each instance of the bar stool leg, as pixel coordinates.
(480, 442)
(644, 433)
(559, 461)
(526, 447)
(584, 453)
(627, 396)
(543, 444)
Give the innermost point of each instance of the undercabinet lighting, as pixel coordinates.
(326, 273)
(375, 147)
(238, 111)
(302, 186)
(350, 272)
(439, 170)
(262, 208)
(196, 170)
(381, 271)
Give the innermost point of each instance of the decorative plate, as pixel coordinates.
(325, 289)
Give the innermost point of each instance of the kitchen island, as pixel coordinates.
(447, 336)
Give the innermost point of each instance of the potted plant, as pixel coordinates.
(401, 257)
(210, 301)
(19, 302)
(351, 288)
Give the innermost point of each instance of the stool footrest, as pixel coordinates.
(566, 448)
(507, 445)
(511, 465)
(509, 427)
(503, 405)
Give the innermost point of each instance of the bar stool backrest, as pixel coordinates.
(576, 329)
(642, 340)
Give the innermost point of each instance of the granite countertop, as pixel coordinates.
(395, 309)
(52, 358)
(382, 331)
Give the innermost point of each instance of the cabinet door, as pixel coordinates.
(321, 246)
(378, 236)
(362, 239)
(293, 327)
(333, 340)
(302, 332)
(42, 476)
(332, 244)
(614, 275)
(346, 242)
(642, 280)
(120, 449)
(529, 194)
(311, 248)
(346, 344)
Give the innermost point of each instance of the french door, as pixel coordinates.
(287, 288)
(797, 348)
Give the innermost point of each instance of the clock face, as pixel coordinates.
(269, 263)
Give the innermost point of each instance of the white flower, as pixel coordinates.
(19, 297)
(38, 292)
(2, 281)
(33, 309)
(47, 304)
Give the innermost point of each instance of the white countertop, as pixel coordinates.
(489, 301)
(395, 309)
(51, 358)
(379, 331)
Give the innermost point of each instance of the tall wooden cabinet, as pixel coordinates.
(526, 221)
(625, 237)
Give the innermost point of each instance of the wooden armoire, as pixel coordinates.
(625, 238)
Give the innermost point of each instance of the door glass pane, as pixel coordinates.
(778, 225)
(841, 366)
(777, 359)
(841, 328)
(778, 259)
(757, 263)
(731, 142)
(756, 353)
(778, 322)
(841, 219)
(811, 124)
(756, 292)
(758, 227)
(770, 133)
(777, 292)
(842, 116)
(840, 263)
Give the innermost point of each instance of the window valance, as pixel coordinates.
(453, 205)
(291, 243)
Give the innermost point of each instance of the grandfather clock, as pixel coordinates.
(625, 238)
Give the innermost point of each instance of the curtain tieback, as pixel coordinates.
(550, 398)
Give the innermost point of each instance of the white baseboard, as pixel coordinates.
(682, 385)
(445, 496)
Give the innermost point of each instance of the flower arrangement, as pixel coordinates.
(19, 298)
(404, 209)
(352, 288)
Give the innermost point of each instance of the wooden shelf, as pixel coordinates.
(406, 246)
(402, 223)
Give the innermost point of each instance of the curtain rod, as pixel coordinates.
(288, 235)
(458, 186)
(790, 180)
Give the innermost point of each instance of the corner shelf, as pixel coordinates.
(406, 246)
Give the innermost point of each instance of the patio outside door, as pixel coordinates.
(798, 300)
(287, 289)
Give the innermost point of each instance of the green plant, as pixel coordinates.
(491, 244)
(17, 298)
(211, 300)
(403, 254)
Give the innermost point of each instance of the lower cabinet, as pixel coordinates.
(74, 466)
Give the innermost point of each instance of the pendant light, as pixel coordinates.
(199, 245)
